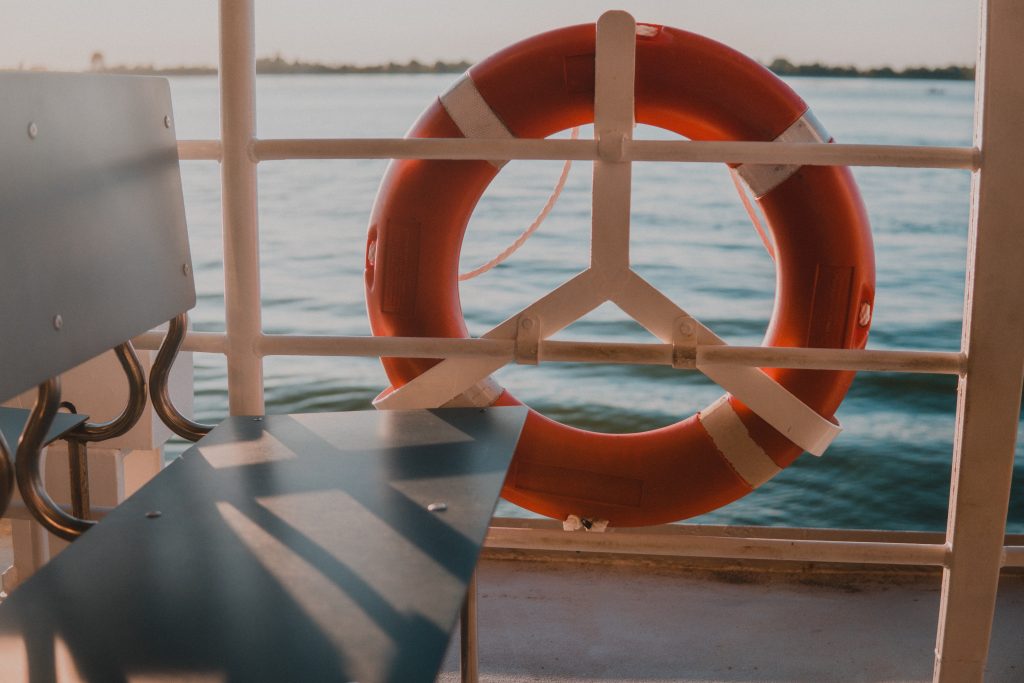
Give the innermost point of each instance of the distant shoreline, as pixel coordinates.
(781, 66)
(279, 66)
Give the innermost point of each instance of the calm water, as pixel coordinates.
(691, 238)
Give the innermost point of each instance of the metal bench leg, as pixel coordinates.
(78, 465)
(468, 635)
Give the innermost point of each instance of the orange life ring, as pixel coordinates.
(702, 90)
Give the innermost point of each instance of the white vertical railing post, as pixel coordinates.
(239, 205)
(613, 128)
(988, 403)
(614, 59)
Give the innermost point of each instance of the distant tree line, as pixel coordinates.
(279, 65)
(150, 70)
(784, 67)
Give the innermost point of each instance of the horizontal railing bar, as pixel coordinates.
(199, 150)
(809, 154)
(422, 347)
(617, 353)
(388, 347)
(625, 353)
(620, 353)
(203, 342)
(723, 547)
(818, 154)
(1013, 556)
(932, 362)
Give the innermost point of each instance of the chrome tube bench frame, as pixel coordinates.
(332, 546)
(95, 251)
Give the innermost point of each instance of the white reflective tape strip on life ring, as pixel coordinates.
(733, 441)
(763, 178)
(471, 113)
(481, 395)
(475, 119)
(775, 404)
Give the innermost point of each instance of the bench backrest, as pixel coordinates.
(93, 244)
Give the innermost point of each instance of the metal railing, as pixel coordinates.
(989, 363)
(697, 151)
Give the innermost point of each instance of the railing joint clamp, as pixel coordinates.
(527, 344)
(611, 146)
(684, 343)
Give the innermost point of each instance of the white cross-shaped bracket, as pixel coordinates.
(610, 278)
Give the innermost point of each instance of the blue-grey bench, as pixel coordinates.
(279, 548)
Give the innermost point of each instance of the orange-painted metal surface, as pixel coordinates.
(700, 89)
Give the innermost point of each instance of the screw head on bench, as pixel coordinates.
(437, 507)
(33, 130)
(167, 122)
(58, 321)
(186, 269)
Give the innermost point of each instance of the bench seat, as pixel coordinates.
(284, 548)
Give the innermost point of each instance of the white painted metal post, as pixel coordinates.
(988, 405)
(614, 72)
(239, 205)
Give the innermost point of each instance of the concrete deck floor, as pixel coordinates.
(652, 621)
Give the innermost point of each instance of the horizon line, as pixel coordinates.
(278, 65)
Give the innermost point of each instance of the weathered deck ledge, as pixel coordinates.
(573, 617)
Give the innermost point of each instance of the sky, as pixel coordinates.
(63, 34)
